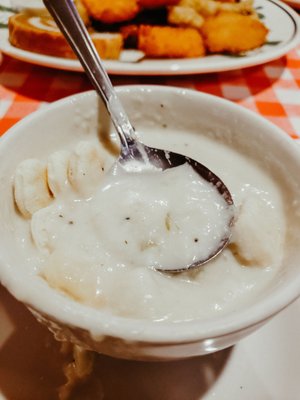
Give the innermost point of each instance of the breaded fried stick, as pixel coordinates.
(170, 42)
(112, 11)
(233, 33)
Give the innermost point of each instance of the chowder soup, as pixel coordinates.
(98, 235)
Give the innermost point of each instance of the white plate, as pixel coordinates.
(264, 366)
(281, 20)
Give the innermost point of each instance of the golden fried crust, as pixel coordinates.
(233, 33)
(112, 11)
(157, 3)
(163, 41)
(23, 34)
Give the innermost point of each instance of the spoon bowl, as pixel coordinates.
(68, 20)
(163, 160)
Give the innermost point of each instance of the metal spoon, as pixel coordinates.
(68, 20)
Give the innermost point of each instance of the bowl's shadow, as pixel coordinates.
(31, 367)
(177, 380)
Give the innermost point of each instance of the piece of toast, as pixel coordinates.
(39, 34)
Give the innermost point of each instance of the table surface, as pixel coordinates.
(250, 370)
(271, 90)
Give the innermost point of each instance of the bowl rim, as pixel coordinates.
(102, 323)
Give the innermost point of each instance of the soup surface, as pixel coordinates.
(100, 234)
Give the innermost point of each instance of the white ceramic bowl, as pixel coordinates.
(66, 121)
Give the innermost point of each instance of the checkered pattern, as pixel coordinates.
(271, 90)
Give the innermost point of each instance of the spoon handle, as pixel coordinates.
(68, 20)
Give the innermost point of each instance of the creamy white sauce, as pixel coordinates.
(161, 219)
(82, 247)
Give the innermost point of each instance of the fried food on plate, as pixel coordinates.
(159, 28)
(233, 33)
(165, 41)
(157, 3)
(112, 11)
(40, 34)
(108, 44)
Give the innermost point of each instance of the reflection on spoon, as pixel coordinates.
(133, 152)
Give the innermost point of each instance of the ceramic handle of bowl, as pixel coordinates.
(69, 22)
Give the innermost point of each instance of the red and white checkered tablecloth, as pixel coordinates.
(271, 90)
